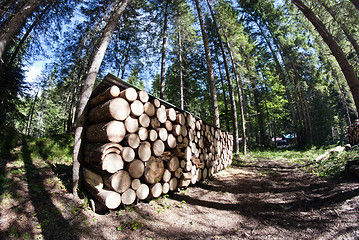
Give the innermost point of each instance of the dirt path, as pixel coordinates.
(262, 199)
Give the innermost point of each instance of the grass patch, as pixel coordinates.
(333, 165)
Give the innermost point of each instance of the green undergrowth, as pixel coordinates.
(52, 149)
(333, 164)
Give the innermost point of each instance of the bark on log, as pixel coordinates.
(115, 109)
(110, 93)
(119, 181)
(93, 179)
(113, 131)
(154, 169)
(108, 198)
(104, 156)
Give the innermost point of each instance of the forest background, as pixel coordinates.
(259, 68)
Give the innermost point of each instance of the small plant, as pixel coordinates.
(181, 204)
(119, 228)
(135, 224)
(26, 235)
(13, 232)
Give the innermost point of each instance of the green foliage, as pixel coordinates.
(333, 164)
(9, 138)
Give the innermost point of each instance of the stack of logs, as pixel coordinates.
(353, 133)
(137, 148)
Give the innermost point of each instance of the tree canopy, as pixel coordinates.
(259, 68)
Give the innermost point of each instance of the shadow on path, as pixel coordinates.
(281, 196)
(53, 224)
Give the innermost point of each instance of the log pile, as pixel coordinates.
(353, 133)
(138, 147)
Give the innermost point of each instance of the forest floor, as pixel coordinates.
(260, 198)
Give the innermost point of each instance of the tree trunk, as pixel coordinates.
(224, 94)
(230, 85)
(355, 3)
(341, 92)
(342, 26)
(26, 35)
(16, 23)
(88, 84)
(180, 67)
(163, 57)
(212, 85)
(337, 52)
(31, 112)
(281, 75)
(240, 94)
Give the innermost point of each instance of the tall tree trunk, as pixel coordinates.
(355, 3)
(281, 75)
(125, 62)
(241, 106)
(337, 52)
(259, 111)
(224, 94)
(16, 23)
(342, 26)
(240, 94)
(4, 7)
(342, 92)
(31, 112)
(26, 35)
(212, 85)
(87, 86)
(230, 85)
(180, 67)
(163, 56)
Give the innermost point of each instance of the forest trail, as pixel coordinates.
(259, 199)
